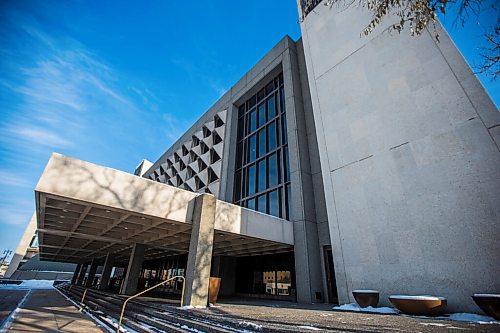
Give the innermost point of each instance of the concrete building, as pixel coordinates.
(26, 265)
(330, 166)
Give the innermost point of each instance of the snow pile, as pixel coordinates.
(474, 318)
(251, 325)
(30, 284)
(418, 298)
(487, 295)
(356, 308)
(185, 327)
(311, 328)
(189, 307)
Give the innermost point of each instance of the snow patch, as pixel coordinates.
(419, 297)
(30, 284)
(434, 324)
(185, 327)
(311, 328)
(487, 295)
(473, 318)
(188, 307)
(356, 308)
(250, 324)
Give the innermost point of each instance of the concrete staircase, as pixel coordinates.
(147, 317)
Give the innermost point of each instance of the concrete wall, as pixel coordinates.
(22, 247)
(306, 184)
(35, 275)
(409, 146)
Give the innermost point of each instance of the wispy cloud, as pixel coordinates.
(9, 179)
(60, 96)
(42, 137)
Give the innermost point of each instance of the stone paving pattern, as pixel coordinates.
(291, 316)
(46, 310)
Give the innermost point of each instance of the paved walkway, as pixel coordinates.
(46, 310)
(9, 299)
(321, 318)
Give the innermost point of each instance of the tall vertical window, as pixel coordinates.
(262, 180)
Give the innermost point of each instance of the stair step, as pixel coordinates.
(139, 312)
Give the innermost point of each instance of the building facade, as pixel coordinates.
(357, 163)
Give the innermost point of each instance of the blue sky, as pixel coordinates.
(113, 82)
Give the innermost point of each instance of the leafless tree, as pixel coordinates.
(416, 16)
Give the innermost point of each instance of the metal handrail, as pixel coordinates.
(145, 291)
(83, 296)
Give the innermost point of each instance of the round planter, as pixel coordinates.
(419, 305)
(489, 303)
(366, 298)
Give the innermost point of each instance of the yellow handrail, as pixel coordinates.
(83, 296)
(145, 291)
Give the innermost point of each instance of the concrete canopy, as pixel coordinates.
(85, 211)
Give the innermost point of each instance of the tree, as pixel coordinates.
(418, 15)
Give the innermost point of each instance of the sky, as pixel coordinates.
(113, 82)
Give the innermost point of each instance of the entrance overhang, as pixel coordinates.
(85, 211)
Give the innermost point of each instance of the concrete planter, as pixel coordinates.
(366, 298)
(419, 305)
(489, 303)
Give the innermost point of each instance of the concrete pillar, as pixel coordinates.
(81, 275)
(92, 270)
(200, 251)
(75, 274)
(133, 270)
(106, 272)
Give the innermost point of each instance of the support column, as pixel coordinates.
(106, 272)
(133, 270)
(81, 275)
(200, 251)
(75, 274)
(92, 270)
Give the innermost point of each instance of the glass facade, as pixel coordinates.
(262, 177)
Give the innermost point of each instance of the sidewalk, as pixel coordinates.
(46, 310)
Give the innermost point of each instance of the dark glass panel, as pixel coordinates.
(282, 100)
(287, 201)
(251, 148)
(274, 204)
(251, 204)
(273, 170)
(262, 114)
(241, 128)
(252, 121)
(280, 78)
(260, 95)
(284, 136)
(286, 165)
(237, 186)
(269, 88)
(251, 180)
(271, 134)
(239, 153)
(261, 166)
(241, 110)
(251, 102)
(262, 203)
(262, 142)
(271, 107)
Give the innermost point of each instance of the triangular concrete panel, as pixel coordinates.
(214, 188)
(210, 125)
(217, 168)
(218, 148)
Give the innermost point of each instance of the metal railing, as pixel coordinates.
(145, 291)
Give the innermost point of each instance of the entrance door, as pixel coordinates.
(330, 275)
